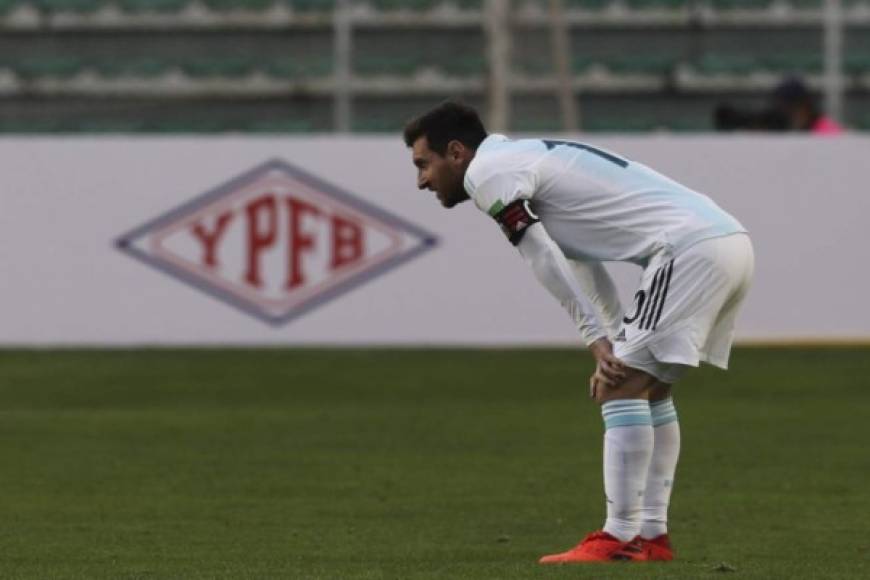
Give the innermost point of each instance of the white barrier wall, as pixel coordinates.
(280, 257)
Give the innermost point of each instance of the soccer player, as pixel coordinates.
(568, 207)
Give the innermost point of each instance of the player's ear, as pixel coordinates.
(456, 150)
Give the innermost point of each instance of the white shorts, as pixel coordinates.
(685, 310)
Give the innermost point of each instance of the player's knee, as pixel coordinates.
(636, 385)
(659, 391)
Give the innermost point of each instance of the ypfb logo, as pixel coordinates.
(276, 242)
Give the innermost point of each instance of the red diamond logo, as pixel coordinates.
(276, 242)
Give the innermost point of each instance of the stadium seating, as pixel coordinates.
(657, 4)
(220, 66)
(87, 6)
(856, 64)
(641, 63)
(69, 5)
(249, 5)
(419, 45)
(586, 4)
(151, 5)
(388, 5)
(741, 4)
(291, 68)
(138, 68)
(397, 64)
(281, 126)
(229, 67)
(312, 5)
(714, 64)
(48, 66)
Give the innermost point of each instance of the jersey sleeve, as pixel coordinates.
(493, 190)
(598, 286)
(552, 270)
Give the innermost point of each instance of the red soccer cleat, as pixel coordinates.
(657, 549)
(597, 547)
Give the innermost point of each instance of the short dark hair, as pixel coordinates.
(450, 120)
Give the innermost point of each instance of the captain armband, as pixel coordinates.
(515, 219)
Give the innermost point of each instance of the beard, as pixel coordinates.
(453, 197)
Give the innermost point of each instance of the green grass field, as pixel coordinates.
(413, 464)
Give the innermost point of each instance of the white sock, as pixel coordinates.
(628, 445)
(660, 479)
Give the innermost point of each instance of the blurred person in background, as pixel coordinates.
(792, 107)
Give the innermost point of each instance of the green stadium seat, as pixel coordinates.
(393, 65)
(312, 5)
(152, 5)
(544, 66)
(8, 5)
(188, 126)
(217, 66)
(248, 5)
(377, 125)
(644, 64)
(806, 4)
(657, 4)
(717, 64)
(741, 4)
(791, 62)
(109, 126)
(857, 64)
(465, 66)
(820, 4)
(390, 5)
(292, 68)
(281, 126)
(23, 127)
(476, 5)
(535, 67)
(586, 4)
(69, 5)
(137, 68)
(48, 66)
(580, 64)
(535, 124)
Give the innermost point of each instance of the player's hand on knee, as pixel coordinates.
(599, 382)
(609, 369)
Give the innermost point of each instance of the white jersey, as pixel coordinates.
(595, 205)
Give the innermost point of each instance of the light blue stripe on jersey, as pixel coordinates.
(625, 413)
(719, 222)
(663, 412)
